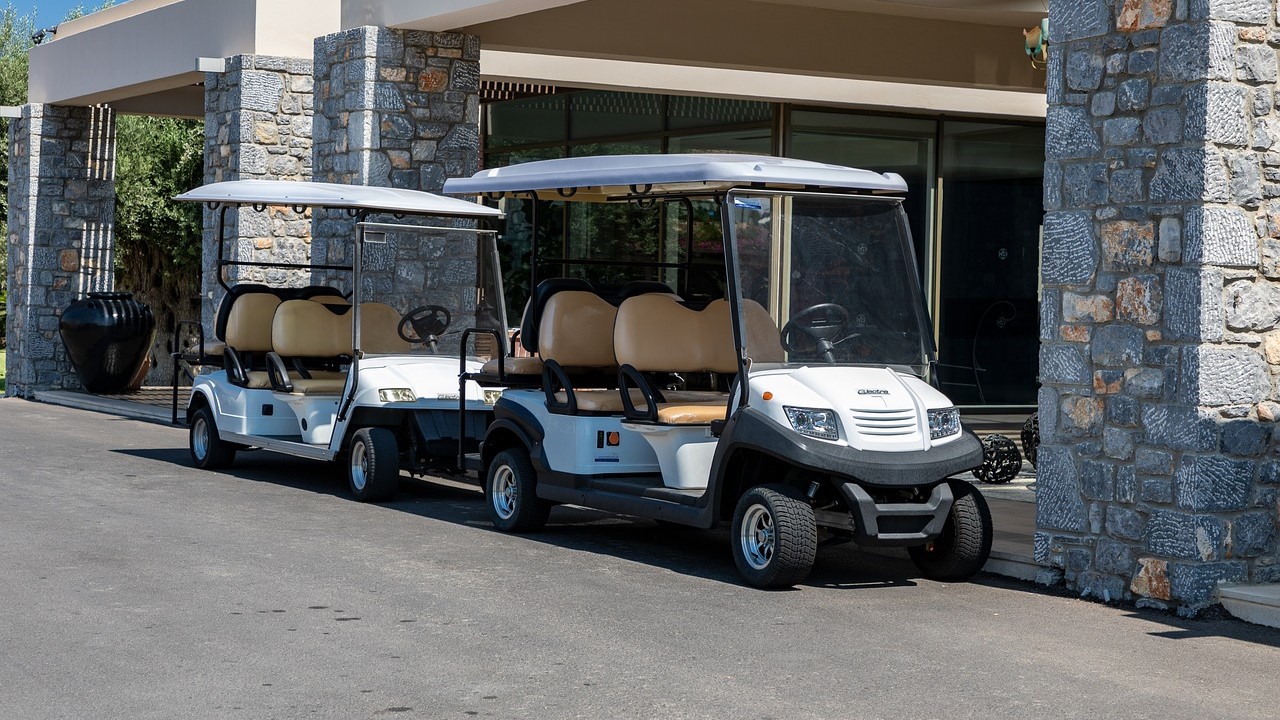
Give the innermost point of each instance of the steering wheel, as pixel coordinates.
(825, 322)
(427, 322)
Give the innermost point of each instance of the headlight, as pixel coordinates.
(944, 423)
(813, 422)
(491, 396)
(389, 395)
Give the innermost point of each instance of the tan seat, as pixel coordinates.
(514, 366)
(655, 333)
(249, 331)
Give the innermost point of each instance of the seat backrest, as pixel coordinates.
(248, 324)
(577, 330)
(379, 330)
(530, 324)
(655, 333)
(306, 329)
(229, 302)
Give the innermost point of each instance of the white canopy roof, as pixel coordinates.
(334, 195)
(599, 178)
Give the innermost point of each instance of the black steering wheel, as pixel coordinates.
(427, 322)
(819, 325)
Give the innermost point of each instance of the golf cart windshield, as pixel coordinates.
(416, 294)
(837, 275)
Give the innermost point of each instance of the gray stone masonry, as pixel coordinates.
(258, 126)
(1159, 477)
(399, 109)
(61, 217)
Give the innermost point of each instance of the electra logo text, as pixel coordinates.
(872, 391)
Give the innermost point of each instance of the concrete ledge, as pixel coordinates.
(1258, 604)
(113, 406)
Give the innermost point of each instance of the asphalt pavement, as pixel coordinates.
(134, 586)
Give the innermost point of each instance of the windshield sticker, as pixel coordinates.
(748, 204)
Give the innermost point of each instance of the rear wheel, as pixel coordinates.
(208, 450)
(774, 538)
(510, 490)
(373, 465)
(965, 543)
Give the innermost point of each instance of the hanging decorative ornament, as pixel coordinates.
(1036, 44)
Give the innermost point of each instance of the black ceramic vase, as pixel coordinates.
(108, 336)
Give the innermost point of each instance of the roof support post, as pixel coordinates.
(61, 245)
(258, 117)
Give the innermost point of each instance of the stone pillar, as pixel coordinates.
(399, 109)
(1158, 477)
(258, 116)
(61, 218)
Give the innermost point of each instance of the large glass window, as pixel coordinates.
(987, 300)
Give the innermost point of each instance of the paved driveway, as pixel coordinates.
(136, 587)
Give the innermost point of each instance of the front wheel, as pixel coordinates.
(510, 490)
(775, 537)
(373, 465)
(965, 543)
(208, 450)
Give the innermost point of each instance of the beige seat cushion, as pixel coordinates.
(379, 324)
(690, 414)
(321, 386)
(514, 366)
(257, 380)
(610, 401)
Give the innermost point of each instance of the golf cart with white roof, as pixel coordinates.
(352, 367)
(795, 404)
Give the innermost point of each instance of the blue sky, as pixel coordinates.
(51, 12)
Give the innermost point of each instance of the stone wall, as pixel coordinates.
(1158, 478)
(61, 218)
(258, 126)
(399, 109)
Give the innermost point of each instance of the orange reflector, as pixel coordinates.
(768, 396)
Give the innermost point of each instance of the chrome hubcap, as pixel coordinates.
(504, 492)
(758, 537)
(200, 438)
(359, 466)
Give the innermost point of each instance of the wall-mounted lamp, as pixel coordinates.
(1036, 43)
(42, 34)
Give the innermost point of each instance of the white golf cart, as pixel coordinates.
(352, 367)
(794, 404)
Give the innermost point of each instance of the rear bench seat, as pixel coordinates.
(655, 333)
(309, 329)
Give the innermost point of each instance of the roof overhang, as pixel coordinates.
(143, 55)
(293, 194)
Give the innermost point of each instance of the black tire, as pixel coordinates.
(373, 465)
(510, 492)
(965, 543)
(774, 538)
(208, 450)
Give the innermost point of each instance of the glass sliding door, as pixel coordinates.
(987, 308)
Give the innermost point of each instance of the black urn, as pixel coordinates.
(108, 336)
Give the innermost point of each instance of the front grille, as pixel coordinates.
(884, 422)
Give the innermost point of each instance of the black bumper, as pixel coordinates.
(897, 524)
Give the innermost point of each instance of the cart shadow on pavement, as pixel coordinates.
(688, 551)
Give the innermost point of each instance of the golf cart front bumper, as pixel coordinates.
(896, 524)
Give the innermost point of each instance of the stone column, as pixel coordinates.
(258, 116)
(399, 109)
(61, 217)
(1158, 477)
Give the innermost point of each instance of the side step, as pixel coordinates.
(1258, 604)
(471, 463)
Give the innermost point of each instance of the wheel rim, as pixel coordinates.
(758, 537)
(504, 492)
(200, 438)
(359, 466)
